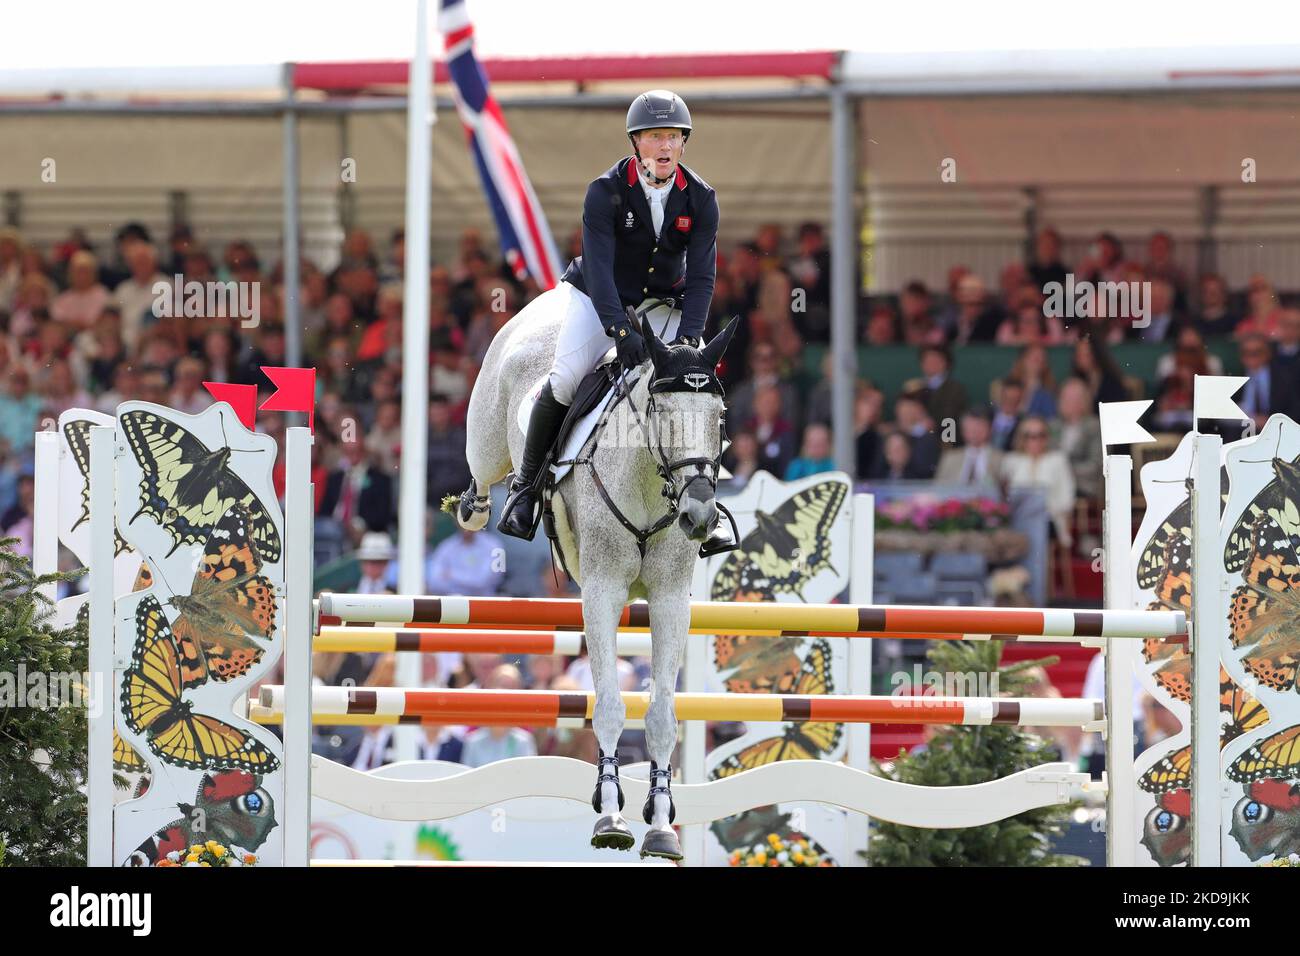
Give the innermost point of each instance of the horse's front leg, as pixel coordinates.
(601, 608)
(670, 617)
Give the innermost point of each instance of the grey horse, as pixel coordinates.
(660, 474)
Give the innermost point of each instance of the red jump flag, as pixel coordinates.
(241, 398)
(295, 391)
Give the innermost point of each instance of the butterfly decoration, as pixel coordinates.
(230, 807)
(1243, 711)
(798, 741)
(230, 607)
(1276, 757)
(77, 433)
(1173, 591)
(1264, 614)
(1171, 772)
(1177, 526)
(187, 487)
(1166, 830)
(787, 548)
(1279, 499)
(153, 706)
(1266, 819)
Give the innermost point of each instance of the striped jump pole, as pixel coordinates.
(541, 708)
(438, 638)
(721, 617)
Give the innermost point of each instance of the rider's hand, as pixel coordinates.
(630, 345)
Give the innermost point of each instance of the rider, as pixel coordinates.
(649, 233)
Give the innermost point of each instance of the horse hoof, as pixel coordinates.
(662, 843)
(611, 833)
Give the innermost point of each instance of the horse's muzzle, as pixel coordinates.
(697, 516)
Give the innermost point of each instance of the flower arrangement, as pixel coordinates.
(208, 854)
(927, 513)
(1292, 860)
(797, 851)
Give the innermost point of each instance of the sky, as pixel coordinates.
(91, 33)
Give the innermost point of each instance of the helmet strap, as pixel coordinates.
(641, 170)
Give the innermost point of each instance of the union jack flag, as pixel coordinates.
(525, 237)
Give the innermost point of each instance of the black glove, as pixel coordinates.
(630, 345)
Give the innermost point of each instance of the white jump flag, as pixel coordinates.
(1119, 423)
(1212, 397)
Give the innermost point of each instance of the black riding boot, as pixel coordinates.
(520, 515)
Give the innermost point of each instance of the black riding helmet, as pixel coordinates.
(657, 109)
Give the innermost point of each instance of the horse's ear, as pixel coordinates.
(712, 353)
(657, 349)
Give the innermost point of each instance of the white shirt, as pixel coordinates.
(657, 196)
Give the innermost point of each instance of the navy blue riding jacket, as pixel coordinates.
(623, 262)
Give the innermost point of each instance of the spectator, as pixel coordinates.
(915, 422)
(61, 391)
(384, 437)
(945, 397)
(20, 411)
(764, 372)
(1190, 346)
(916, 311)
(882, 326)
(811, 268)
(1046, 265)
(376, 556)
(11, 273)
(1007, 411)
(188, 394)
(773, 431)
(485, 745)
(815, 457)
(1035, 465)
(977, 462)
(897, 463)
(1265, 312)
(16, 522)
(1033, 371)
(868, 408)
(357, 494)
(1160, 265)
(1104, 261)
(1271, 386)
(742, 459)
(1094, 364)
(219, 346)
(1215, 315)
(1287, 346)
(976, 319)
(135, 295)
(448, 472)
(85, 299)
(1079, 437)
(1164, 323)
(467, 562)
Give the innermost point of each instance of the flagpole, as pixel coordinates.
(415, 352)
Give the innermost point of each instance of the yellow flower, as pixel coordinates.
(196, 848)
(219, 851)
(212, 845)
(206, 863)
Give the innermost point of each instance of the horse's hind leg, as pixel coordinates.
(601, 607)
(487, 452)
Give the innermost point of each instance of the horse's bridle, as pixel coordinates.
(706, 469)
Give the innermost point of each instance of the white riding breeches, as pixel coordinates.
(583, 342)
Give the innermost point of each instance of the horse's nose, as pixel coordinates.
(697, 517)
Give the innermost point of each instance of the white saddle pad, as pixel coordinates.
(582, 429)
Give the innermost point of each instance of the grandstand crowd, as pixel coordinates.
(80, 326)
